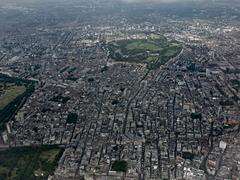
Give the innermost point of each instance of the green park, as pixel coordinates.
(152, 49)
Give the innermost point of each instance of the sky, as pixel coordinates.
(3, 2)
(165, 1)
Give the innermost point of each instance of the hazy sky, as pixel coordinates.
(166, 1)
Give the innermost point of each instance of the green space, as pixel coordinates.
(72, 78)
(152, 49)
(64, 69)
(152, 59)
(9, 93)
(60, 99)
(72, 118)
(119, 166)
(235, 84)
(143, 45)
(196, 116)
(187, 155)
(13, 94)
(72, 70)
(33, 162)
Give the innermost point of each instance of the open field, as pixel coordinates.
(9, 94)
(153, 49)
(13, 94)
(152, 59)
(29, 162)
(140, 44)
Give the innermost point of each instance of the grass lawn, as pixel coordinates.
(152, 59)
(29, 162)
(10, 94)
(172, 50)
(50, 155)
(147, 46)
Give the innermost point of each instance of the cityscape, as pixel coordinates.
(108, 90)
